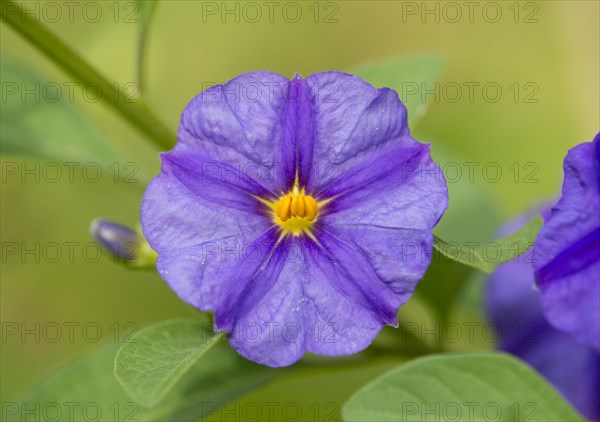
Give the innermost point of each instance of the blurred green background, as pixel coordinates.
(189, 50)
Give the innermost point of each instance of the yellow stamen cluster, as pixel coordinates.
(295, 212)
(302, 206)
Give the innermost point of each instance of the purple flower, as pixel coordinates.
(287, 207)
(513, 305)
(567, 269)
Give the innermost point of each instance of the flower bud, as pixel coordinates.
(123, 244)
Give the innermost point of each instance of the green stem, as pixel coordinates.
(137, 113)
(143, 29)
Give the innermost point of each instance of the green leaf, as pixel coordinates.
(146, 10)
(407, 75)
(88, 385)
(503, 250)
(157, 357)
(48, 127)
(462, 387)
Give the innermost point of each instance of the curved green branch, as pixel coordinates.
(136, 113)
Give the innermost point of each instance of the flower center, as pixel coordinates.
(296, 212)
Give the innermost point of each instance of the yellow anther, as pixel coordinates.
(311, 208)
(283, 208)
(297, 207)
(294, 206)
(296, 212)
